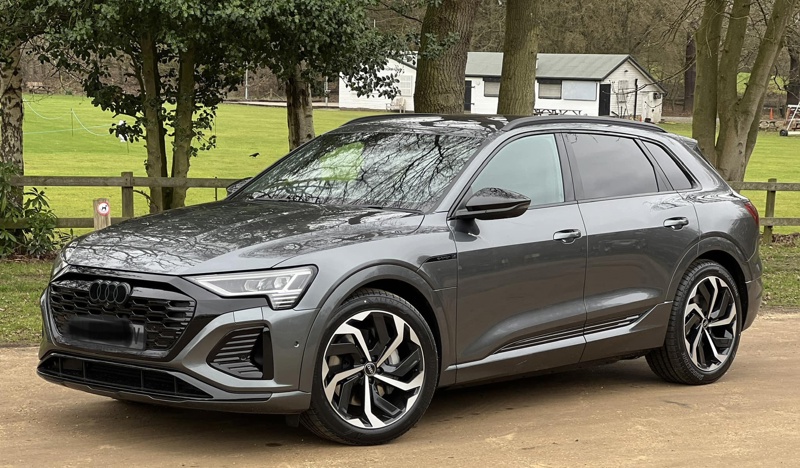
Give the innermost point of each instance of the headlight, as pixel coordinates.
(61, 260)
(282, 287)
(58, 265)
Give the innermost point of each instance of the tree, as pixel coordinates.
(690, 72)
(519, 58)
(11, 106)
(181, 55)
(718, 65)
(15, 30)
(793, 48)
(304, 41)
(444, 43)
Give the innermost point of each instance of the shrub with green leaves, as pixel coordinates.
(35, 234)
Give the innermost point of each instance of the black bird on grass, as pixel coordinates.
(254, 155)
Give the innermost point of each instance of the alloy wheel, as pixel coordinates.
(710, 323)
(373, 369)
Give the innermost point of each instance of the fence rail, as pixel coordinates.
(772, 187)
(126, 181)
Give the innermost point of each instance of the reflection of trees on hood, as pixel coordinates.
(183, 238)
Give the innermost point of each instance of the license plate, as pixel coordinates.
(138, 336)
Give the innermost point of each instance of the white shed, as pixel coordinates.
(407, 74)
(585, 84)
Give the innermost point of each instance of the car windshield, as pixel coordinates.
(407, 171)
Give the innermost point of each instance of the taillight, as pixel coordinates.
(752, 210)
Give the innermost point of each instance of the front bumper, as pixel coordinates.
(187, 376)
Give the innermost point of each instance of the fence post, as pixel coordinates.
(769, 212)
(127, 195)
(102, 213)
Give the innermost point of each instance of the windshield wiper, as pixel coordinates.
(263, 196)
(390, 208)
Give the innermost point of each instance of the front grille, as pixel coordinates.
(163, 313)
(119, 377)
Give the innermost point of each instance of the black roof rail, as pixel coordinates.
(561, 119)
(379, 117)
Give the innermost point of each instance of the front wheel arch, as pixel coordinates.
(442, 328)
(376, 371)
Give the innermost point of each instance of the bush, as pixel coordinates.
(39, 236)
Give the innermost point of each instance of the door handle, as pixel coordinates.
(567, 236)
(676, 223)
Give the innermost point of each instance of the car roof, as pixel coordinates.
(484, 125)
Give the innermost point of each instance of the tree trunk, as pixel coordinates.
(739, 115)
(793, 84)
(156, 164)
(731, 124)
(184, 128)
(299, 111)
(690, 73)
(11, 109)
(446, 36)
(519, 58)
(707, 38)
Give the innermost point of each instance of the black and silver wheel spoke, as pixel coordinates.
(373, 369)
(710, 323)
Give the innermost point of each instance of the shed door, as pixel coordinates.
(468, 95)
(605, 100)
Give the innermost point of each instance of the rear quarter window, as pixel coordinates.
(676, 176)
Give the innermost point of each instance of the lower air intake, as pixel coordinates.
(119, 377)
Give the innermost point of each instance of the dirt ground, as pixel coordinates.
(614, 415)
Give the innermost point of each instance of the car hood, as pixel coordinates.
(233, 236)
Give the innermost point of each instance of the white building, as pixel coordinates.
(585, 84)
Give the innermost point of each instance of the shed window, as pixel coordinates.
(406, 85)
(580, 90)
(491, 87)
(549, 89)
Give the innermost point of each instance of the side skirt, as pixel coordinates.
(602, 342)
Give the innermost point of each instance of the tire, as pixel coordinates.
(784, 132)
(371, 397)
(704, 327)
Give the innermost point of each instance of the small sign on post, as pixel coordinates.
(102, 213)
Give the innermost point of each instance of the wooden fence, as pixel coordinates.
(768, 219)
(126, 181)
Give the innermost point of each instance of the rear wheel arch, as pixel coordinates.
(394, 279)
(733, 266)
(719, 250)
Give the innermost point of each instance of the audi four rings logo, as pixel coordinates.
(109, 292)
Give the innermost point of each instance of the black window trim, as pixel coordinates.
(662, 183)
(566, 172)
(692, 180)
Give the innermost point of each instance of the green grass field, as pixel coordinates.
(52, 147)
(60, 143)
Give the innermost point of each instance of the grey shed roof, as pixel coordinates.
(564, 66)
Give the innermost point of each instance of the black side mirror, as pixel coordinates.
(232, 188)
(494, 203)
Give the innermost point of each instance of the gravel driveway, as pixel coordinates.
(614, 415)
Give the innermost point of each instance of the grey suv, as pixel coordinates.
(400, 254)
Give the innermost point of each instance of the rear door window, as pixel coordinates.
(611, 166)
